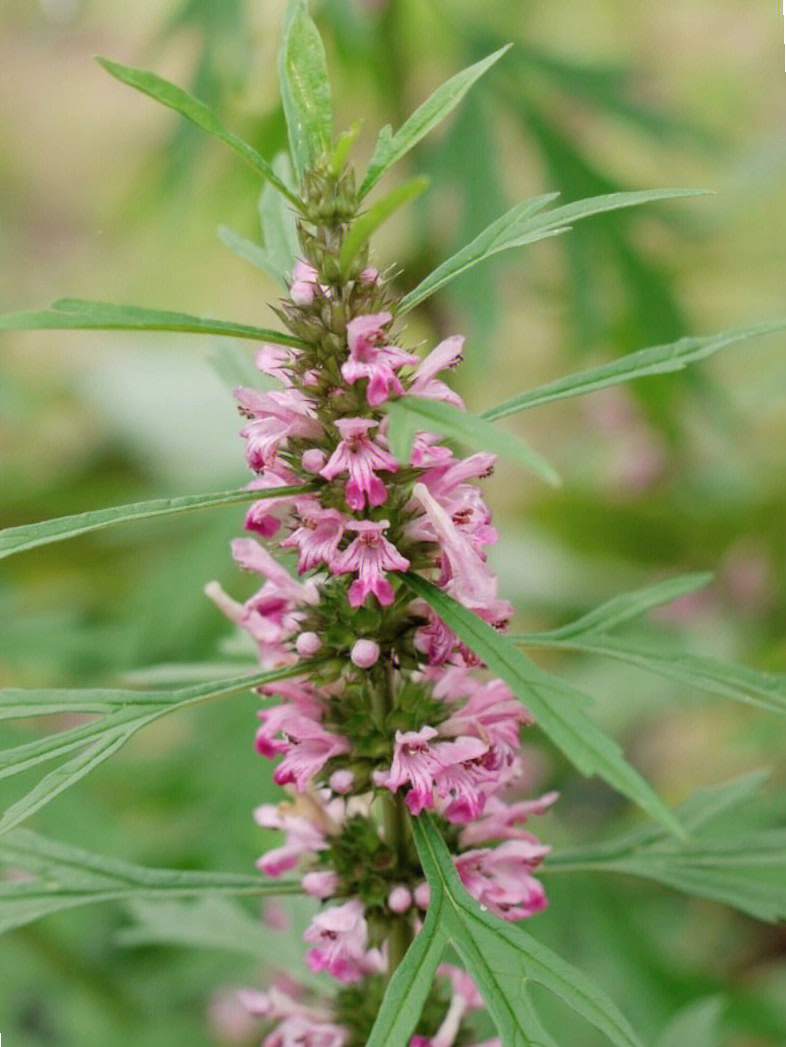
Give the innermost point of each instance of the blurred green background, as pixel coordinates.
(104, 195)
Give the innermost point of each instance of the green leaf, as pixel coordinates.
(622, 609)
(658, 360)
(248, 251)
(121, 715)
(733, 854)
(697, 1025)
(524, 224)
(391, 147)
(174, 97)
(364, 227)
(279, 225)
(75, 314)
(412, 413)
(66, 877)
(305, 88)
(412, 981)
(556, 706)
(28, 536)
(589, 634)
(502, 958)
(207, 923)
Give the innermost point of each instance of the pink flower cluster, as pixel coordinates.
(350, 552)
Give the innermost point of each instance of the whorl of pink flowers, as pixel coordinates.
(340, 610)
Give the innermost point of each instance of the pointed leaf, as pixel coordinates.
(28, 536)
(697, 1025)
(524, 224)
(174, 97)
(76, 314)
(412, 413)
(305, 88)
(412, 981)
(128, 712)
(66, 877)
(660, 359)
(557, 707)
(364, 227)
(279, 225)
(391, 147)
(502, 958)
(247, 250)
(733, 854)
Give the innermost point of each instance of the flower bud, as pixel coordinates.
(313, 460)
(422, 894)
(321, 883)
(307, 645)
(365, 653)
(399, 899)
(341, 782)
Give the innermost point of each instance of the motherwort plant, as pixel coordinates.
(392, 702)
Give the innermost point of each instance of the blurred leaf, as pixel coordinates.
(696, 1025)
(411, 414)
(176, 98)
(28, 536)
(124, 713)
(247, 250)
(523, 225)
(502, 958)
(657, 360)
(66, 877)
(75, 314)
(207, 923)
(556, 706)
(363, 228)
(305, 88)
(279, 228)
(728, 856)
(412, 981)
(392, 147)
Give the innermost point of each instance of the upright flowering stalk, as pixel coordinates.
(392, 716)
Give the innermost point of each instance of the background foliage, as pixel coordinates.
(104, 195)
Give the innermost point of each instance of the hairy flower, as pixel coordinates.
(369, 556)
(358, 456)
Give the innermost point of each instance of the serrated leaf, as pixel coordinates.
(76, 314)
(411, 983)
(121, 715)
(502, 958)
(557, 707)
(305, 88)
(174, 97)
(364, 227)
(660, 359)
(412, 413)
(28, 536)
(392, 147)
(590, 634)
(732, 854)
(67, 877)
(525, 224)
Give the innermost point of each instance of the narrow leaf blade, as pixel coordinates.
(410, 413)
(174, 97)
(305, 88)
(392, 147)
(364, 227)
(29, 536)
(660, 359)
(75, 314)
(557, 707)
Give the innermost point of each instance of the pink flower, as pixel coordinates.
(318, 537)
(500, 879)
(303, 838)
(306, 745)
(300, 1026)
(305, 281)
(424, 381)
(418, 761)
(369, 556)
(359, 457)
(502, 821)
(494, 714)
(259, 517)
(340, 935)
(275, 360)
(320, 883)
(274, 417)
(364, 653)
(370, 358)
